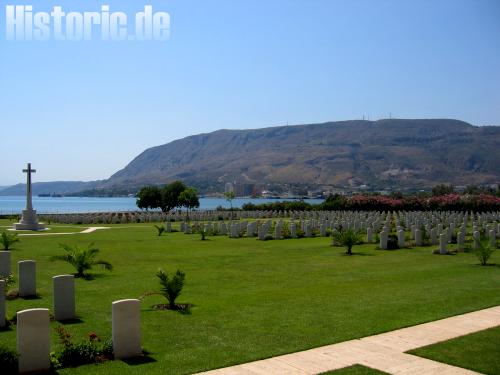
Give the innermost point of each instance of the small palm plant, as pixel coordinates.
(347, 238)
(171, 287)
(82, 259)
(8, 239)
(203, 233)
(160, 229)
(483, 252)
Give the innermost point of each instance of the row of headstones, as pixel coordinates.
(445, 237)
(63, 289)
(236, 229)
(33, 335)
(251, 229)
(211, 215)
(33, 332)
(152, 216)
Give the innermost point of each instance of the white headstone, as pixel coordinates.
(443, 242)
(418, 237)
(369, 235)
(234, 230)
(322, 229)
(64, 297)
(308, 231)
(476, 237)
(33, 340)
(461, 240)
(433, 235)
(277, 232)
(262, 232)
(126, 327)
(383, 240)
(5, 263)
(401, 238)
(493, 238)
(27, 278)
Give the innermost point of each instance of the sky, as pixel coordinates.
(82, 110)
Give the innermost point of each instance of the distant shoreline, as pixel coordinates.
(13, 205)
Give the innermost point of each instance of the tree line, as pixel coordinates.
(168, 197)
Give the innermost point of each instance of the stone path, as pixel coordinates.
(385, 352)
(45, 233)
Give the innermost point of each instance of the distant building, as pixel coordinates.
(244, 190)
(228, 188)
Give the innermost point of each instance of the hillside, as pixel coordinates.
(384, 153)
(391, 153)
(58, 187)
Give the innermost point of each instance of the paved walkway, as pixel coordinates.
(383, 352)
(46, 233)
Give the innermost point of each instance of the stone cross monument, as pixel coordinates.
(29, 220)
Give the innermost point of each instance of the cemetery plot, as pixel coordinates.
(254, 298)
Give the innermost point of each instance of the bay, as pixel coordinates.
(13, 205)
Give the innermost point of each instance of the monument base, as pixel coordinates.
(29, 221)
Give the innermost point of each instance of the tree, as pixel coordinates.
(165, 198)
(170, 195)
(149, 197)
(82, 259)
(171, 287)
(229, 195)
(347, 238)
(189, 199)
(8, 239)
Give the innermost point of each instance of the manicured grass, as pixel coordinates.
(254, 299)
(355, 370)
(478, 351)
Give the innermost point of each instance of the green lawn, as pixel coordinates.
(254, 299)
(479, 351)
(355, 370)
(56, 228)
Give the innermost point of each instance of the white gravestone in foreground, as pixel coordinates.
(64, 297)
(126, 328)
(33, 340)
(27, 278)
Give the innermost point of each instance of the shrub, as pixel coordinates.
(160, 229)
(8, 239)
(171, 287)
(9, 279)
(483, 252)
(8, 360)
(203, 232)
(77, 354)
(347, 238)
(82, 259)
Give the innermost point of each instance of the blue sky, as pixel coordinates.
(83, 110)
